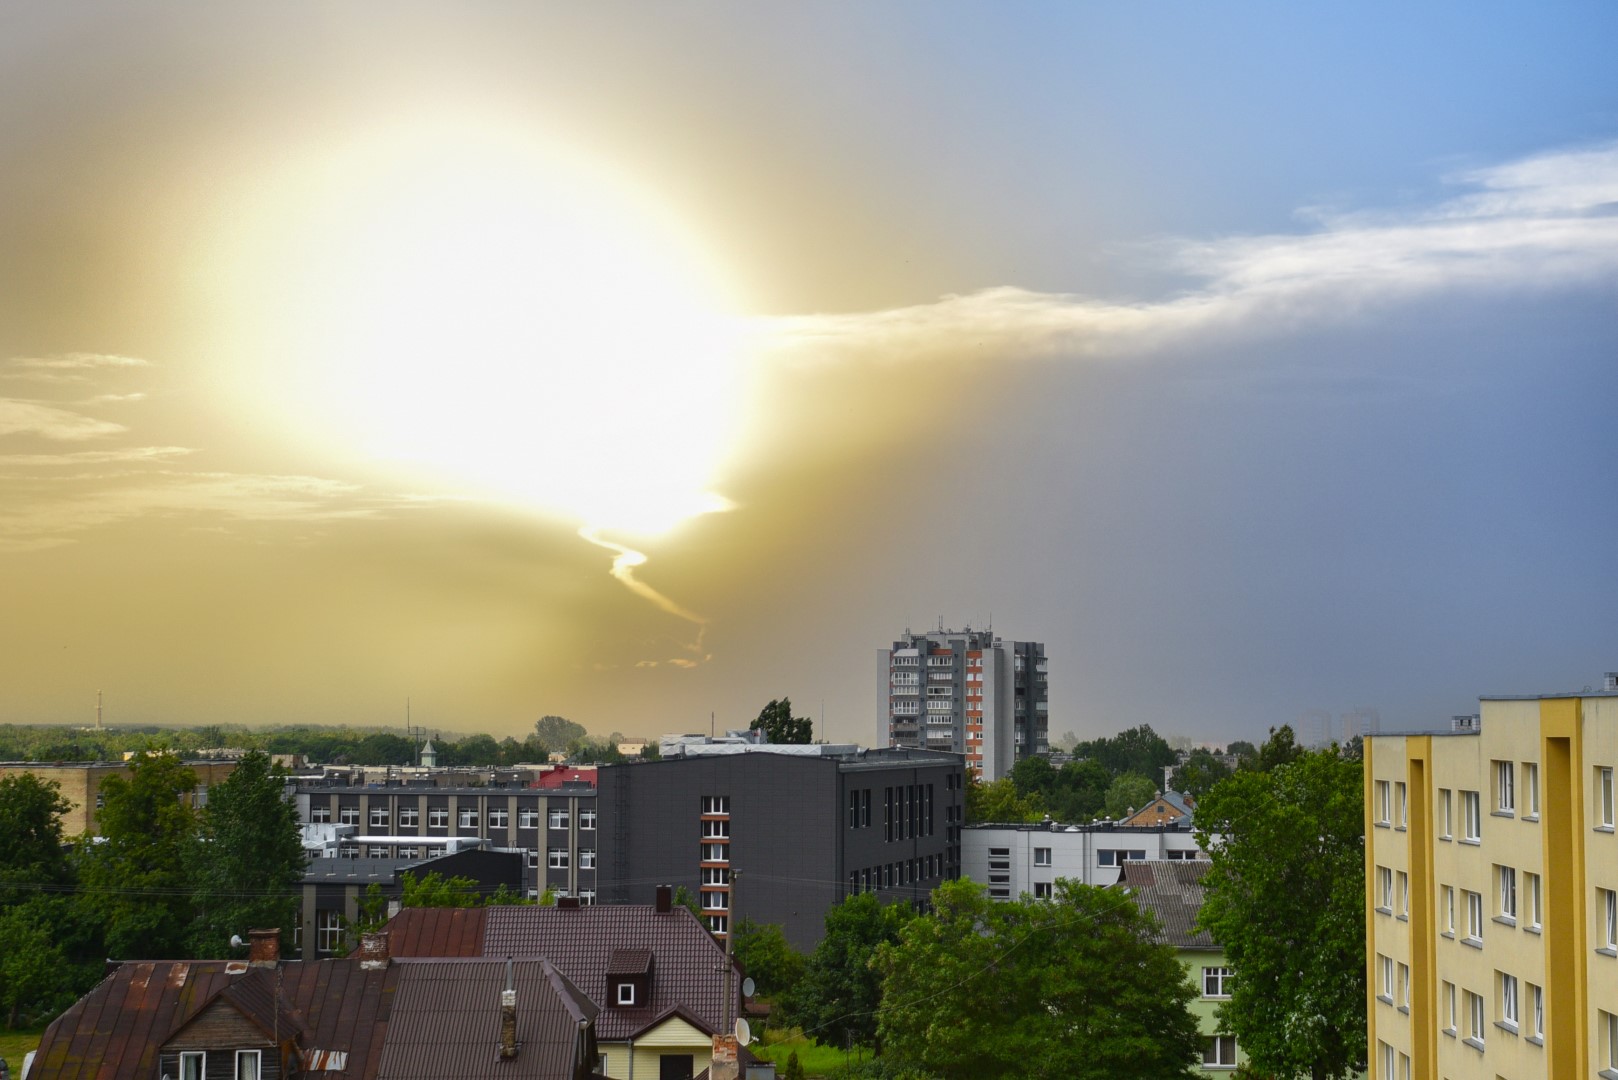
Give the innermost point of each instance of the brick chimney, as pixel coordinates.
(726, 1059)
(264, 947)
(374, 950)
(665, 899)
(570, 902)
(508, 1017)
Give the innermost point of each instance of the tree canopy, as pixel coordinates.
(836, 999)
(1073, 987)
(1138, 750)
(768, 958)
(999, 801)
(780, 726)
(1285, 898)
(250, 862)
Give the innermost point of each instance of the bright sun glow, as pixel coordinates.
(496, 314)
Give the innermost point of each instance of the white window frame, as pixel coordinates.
(1384, 803)
(1506, 888)
(499, 817)
(1044, 890)
(1505, 787)
(557, 819)
(1216, 982)
(527, 817)
(328, 932)
(1510, 1004)
(1472, 811)
(1404, 894)
(257, 1070)
(379, 817)
(1608, 930)
(319, 815)
(467, 818)
(1474, 916)
(409, 817)
(1385, 978)
(587, 817)
(1449, 910)
(1449, 1008)
(1534, 916)
(1404, 986)
(1608, 1029)
(556, 858)
(1475, 1019)
(438, 817)
(1384, 890)
(200, 1058)
(1536, 998)
(1446, 814)
(1042, 856)
(348, 815)
(1401, 805)
(1219, 1051)
(1530, 790)
(626, 993)
(587, 858)
(1604, 797)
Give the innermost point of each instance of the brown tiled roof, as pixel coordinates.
(1172, 891)
(581, 943)
(446, 1021)
(630, 962)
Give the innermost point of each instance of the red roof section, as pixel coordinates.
(567, 775)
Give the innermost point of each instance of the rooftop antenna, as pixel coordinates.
(98, 710)
(710, 723)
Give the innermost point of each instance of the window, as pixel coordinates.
(1532, 917)
(533, 859)
(1530, 790)
(715, 901)
(587, 818)
(719, 924)
(1608, 1033)
(626, 993)
(1474, 1018)
(1508, 1000)
(468, 817)
(1404, 987)
(558, 858)
(1042, 856)
(1448, 912)
(716, 875)
(587, 858)
(409, 853)
(1401, 805)
(1384, 890)
(1404, 895)
(348, 851)
(328, 931)
(194, 1063)
(716, 828)
(1216, 982)
(247, 1064)
(499, 819)
(1536, 1015)
(716, 804)
(1446, 814)
(527, 817)
(587, 897)
(1384, 803)
(1384, 965)
(379, 817)
(1042, 890)
(1506, 879)
(1219, 1051)
(1404, 1067)
(438, 817)
(1386, 1054)
(1604, 807)
(715, 852)
(1472, 809)
(318, 815)
(349, 815)
(1608, 935)
(558, 819)
(1448, 1005)
(409, 817)
(1505, 787)
(1474, 917)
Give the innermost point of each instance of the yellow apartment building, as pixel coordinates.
(80, 784)
(1491, 867)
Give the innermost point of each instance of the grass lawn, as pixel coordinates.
(14, 1044)
(817, 1060)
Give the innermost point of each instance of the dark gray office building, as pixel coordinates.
(778, 834)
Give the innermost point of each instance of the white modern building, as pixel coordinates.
(1015, 859)
(967, 692)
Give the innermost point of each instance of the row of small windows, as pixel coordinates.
(438, 817)
(896, 875)
(1392, 802)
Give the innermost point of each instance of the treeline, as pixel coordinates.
(324, 745)
(1108, 777)
(164, 880)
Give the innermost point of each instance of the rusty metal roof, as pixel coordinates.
(1172, 891)
(412, 1019)
(437, 932)
(581, 942)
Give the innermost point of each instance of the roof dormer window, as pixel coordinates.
(626, 993)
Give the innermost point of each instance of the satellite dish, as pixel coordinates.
(236, 941)
(744, 1032)
(748, 987)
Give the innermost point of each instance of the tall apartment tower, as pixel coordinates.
(965, 691)
(1491, 880)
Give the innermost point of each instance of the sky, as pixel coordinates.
(642, 363)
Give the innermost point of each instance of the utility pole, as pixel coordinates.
(730, 935)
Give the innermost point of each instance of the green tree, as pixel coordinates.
(436, 890)
(1073, 987)
(794, 1068)
(769, 960)
(35, 976)
(556, 732)
(1285, 898)
(1138, 750)
(32, 856)
(1241, 748)
(1127, 793)
(248, 868)
(1281, 748)
(780, 726)
(1034, 775)
(836, 999)
(998, 801)
(136, 881)
(1198, 773)
(1080, 791)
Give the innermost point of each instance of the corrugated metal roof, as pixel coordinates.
(446, 1022)
(437, 932)
(581, 943)
(630, 962)
(1172, 891)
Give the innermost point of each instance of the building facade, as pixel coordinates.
(1491, 864)
(80, 784)
(1010, 860)
(780, 834)
(553, 828)
(966, 692)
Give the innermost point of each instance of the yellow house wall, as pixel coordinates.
(673, 1036)
(1599, 723)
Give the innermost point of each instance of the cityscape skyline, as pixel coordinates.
(642, 370)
